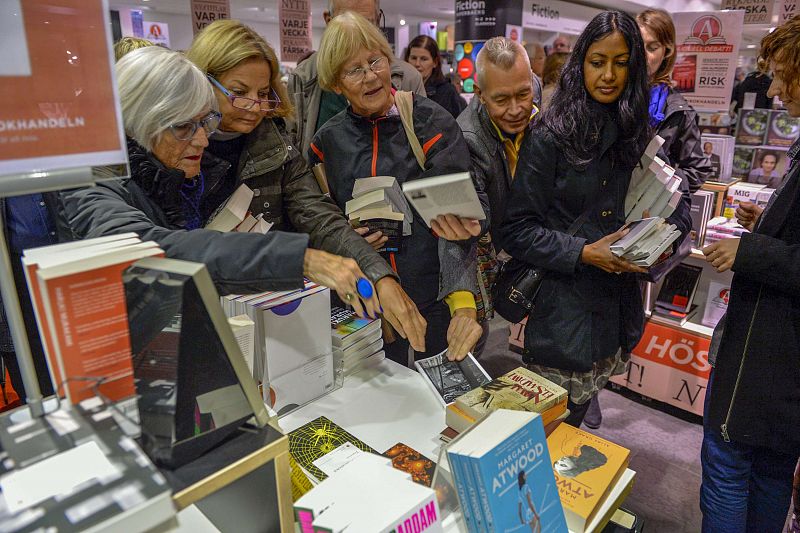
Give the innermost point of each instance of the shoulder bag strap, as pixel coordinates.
(576, 225)
(404, 101)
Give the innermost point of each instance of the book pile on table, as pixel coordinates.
(645, 241)
(745, 192)
(675, 299)
(721, 228)
(378, 203)
(234, 214)
(591, 475)
(357, 342)
(293, 360)
(519, 390)
(503, 476)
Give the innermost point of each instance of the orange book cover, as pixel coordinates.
(585, 467)
(41, 322)
(88, 319)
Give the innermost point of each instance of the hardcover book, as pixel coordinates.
(586, 468)
(679, 287)
(450, 379)
(752, 127)
(519, 390)
(505, 461)
(783, 129)
(311, 441)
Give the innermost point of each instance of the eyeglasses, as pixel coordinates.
(241, 102)
(184, 131)
(357, 74)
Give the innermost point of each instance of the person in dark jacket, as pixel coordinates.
(423, 54)
(751, 440)
(368, 139)
(168, 109)
(495, 124)
(578, 160)
(671, 116)
(758, 83)
(243, 68)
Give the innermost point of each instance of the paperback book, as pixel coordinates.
(440, 195)
(313, 440)
(700, 211)
(586, 468)
(410, 461)
(378, 204)
(718, 152)
(450, 379)
(783, 129)
(233, 212)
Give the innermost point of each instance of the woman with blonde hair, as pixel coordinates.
(252, 144)
(369, 139)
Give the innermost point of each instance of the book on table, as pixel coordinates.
(357, 342)
(701, 211)
(410, 461)
(450, 379)
(503, 477)
(679, 287)
(233, 211)
(520, 390)
(586, 469)
(440, 195)
(79, 303)
(677, 318)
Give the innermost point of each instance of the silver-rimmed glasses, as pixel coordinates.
(356, 75)
(184, 131)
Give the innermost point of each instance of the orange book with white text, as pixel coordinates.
(86, 313)
(586, 467)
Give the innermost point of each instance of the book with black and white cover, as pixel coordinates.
(718, 152)
(450, 379)
(679, 287)
(441, 195)
(231, 213)
(700, 211)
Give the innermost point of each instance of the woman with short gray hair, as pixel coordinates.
(169, 110)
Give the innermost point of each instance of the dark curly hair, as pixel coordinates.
(572, 110)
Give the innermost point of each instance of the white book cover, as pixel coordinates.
(440, 195)
(638, 229)
(233, 211)
(261, 226)
(247, 224)
(672, 205)
(716, 303)
(244, 331)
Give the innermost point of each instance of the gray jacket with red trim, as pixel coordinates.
(352, 146)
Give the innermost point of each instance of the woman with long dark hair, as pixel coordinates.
(423, 54)
(577, 165)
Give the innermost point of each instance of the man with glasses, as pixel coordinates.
(314, 106)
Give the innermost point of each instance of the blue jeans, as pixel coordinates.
(745, 488)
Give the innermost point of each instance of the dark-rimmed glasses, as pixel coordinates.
(184, 131)
(356, 75)
(242, 102)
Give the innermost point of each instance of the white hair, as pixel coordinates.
(157, 88)
(501, 52)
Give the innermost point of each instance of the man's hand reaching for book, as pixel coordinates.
(401, 312)
(455, 228)
(747, 214)
(340, 274)
(462, 334)
(376, 239)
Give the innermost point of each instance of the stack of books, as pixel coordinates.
(357, 342)
(79, 302)
(745, 192)
(378, 203)
(450, 379)
(654, 187)
(591, 474)
(646, 240)
(293, 360)
(503, 477)
(519, 390)
(366, 493)
(234, 214)
(675, 299)
(721, 228)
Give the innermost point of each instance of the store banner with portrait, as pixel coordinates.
(58, 98)
(295, 16)
(708, 51)
(669, 365)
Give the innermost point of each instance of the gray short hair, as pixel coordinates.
(157, 88)
(332, 6)
(501, 52)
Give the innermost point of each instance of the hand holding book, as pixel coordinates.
(599, 254)
(376, 239)
(455, 228)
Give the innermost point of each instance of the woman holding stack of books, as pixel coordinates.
(577, 165)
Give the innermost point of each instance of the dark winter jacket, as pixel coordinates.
(149, 204)
(352, 146)
(287, 194)
(444, 93)
(489, 162)
(755, 391)
(682, 143)
(582, 313)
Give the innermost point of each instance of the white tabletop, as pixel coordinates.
(381, 406)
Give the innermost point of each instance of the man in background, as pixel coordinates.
(313, 106)
(537, 56)
(712, 160)
(561, 44)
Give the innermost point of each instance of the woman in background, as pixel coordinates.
(423, 54)
(552, 71)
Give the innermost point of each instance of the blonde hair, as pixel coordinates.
(157, 88)
(659, 23)
(129, 44)
(343, 38)
(223, 44)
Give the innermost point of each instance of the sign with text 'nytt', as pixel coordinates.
(204, 12)
(295, 16)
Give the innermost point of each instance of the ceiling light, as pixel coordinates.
(402, 22)
(751, 46)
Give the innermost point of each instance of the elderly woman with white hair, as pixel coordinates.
(169, 109)
(369, 139)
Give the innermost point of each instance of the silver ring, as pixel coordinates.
(349, 296)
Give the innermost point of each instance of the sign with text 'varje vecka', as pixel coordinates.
(204, 12)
